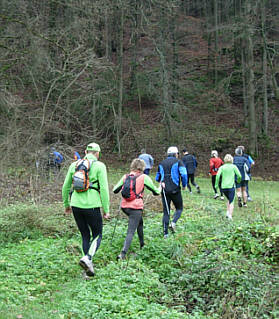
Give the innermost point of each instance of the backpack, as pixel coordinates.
(128, 190)
(81, 181)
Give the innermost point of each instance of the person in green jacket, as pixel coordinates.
(229, 173)
(86, 205)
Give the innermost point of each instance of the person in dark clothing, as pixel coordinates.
(171, 171)
(191, 164)
(252, 163)
(243, 165)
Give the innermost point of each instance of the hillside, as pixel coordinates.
(154, 83)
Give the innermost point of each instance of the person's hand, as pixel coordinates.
(68, 210)
(163, 184)
(106, 216)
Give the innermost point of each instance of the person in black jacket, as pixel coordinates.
(191, 164)
(171, 173)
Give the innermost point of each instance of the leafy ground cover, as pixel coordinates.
(210, 268)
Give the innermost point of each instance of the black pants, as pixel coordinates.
(89, 220)
(213, 180)
(176, 198)
(135, 223)
(191, 177)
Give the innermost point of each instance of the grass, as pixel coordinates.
(210, 268)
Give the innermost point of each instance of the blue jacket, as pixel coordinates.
(148, 160)
(251, 161)
(171, 171)
(58, 158)
(243, 165)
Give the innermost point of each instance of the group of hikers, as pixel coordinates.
(85, 191)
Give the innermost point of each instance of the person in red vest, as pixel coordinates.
(214, 163)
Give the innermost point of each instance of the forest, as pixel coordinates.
(132, 74)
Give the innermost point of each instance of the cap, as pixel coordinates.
(93, 147)
(172, 150)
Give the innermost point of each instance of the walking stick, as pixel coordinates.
(166, 203)
(116, 220)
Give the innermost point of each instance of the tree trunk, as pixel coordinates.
(250, 82)
(264, 66)
(120, 78)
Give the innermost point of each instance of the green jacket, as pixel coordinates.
(228, 172)
(91, 198)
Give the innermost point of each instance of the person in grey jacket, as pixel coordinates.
(148, 160)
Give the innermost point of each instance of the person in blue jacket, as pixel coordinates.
(243, 165)
(55, 159)
(76, 156)
(191, 164)
(171, 172)
(148, 160)
(252, 163)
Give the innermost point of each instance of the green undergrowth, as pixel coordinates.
(210, 268)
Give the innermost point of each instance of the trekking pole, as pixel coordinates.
(167, 207)
(116, 220)
(166, 203)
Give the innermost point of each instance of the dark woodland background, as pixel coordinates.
(130, 74)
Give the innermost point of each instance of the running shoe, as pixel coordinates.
(121, 256)
(249, 199)
(239, 202)
(87, 265)
(222, 198)
(245, 205)
(216, 196)
(85, 276)
(166, 236)
(198, 190)
(229, 216)
(172, 227)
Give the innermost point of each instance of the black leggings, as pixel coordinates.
(135, 223)
(191, 177)
(89, 219)
(213, 179)
(176, 198)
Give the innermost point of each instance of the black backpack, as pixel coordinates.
(128, 190)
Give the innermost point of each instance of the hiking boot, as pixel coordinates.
(85, 276)
(239, 202)
(198, 190)
(121, 256)
(222, 198)
(216, 196)
(172, 227)
(87, 265)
